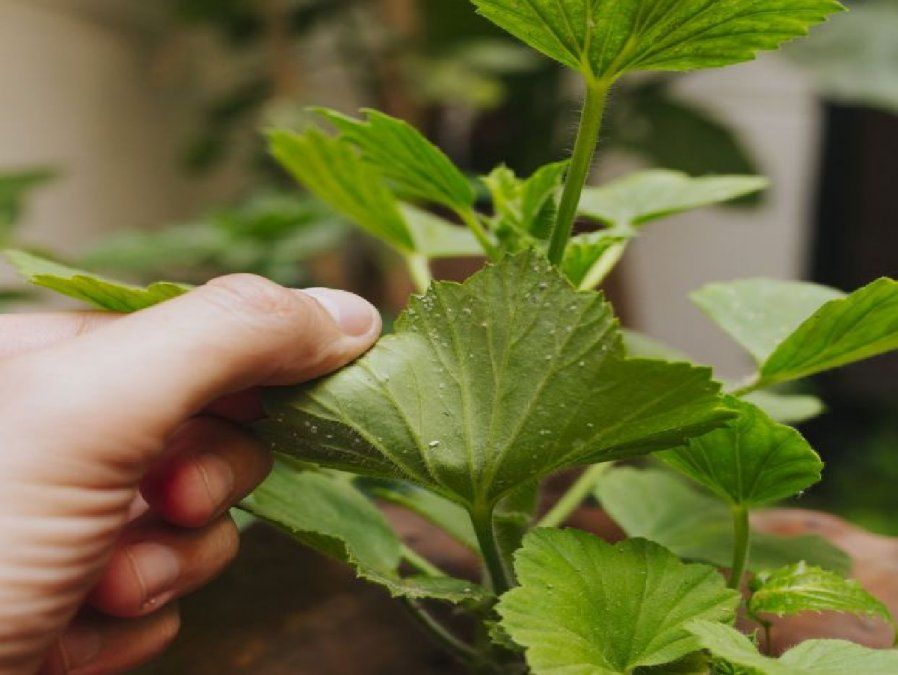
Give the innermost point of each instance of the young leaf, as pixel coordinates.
(114, 296)
(436, 238)
(813, 657)
(331, 516)
(858, 327)
(400, 152)
(795, 330)
(586, 606)
(524, 208)
(604, 39)
(584, 251)
(491, 384)
(751, 462)
(333, 170)
(760, 313)
(804, 588)
(659, 506)
(649, 195)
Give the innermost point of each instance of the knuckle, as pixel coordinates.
(253, 297)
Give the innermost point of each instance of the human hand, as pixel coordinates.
(121, 450)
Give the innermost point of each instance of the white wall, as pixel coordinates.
(779, 117)
(77, 94)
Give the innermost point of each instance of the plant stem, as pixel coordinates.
(421, 563)
(441, 635)
(469, 217)
(741, 545)
(574, 496)
(743, 390)
(419, 270)
(581, 163)
(603, 267)
(484, 527)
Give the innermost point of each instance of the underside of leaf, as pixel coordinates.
(490, 384)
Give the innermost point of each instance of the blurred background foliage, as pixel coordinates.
(476, 93)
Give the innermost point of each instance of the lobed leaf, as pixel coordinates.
(490, 385)
(659, 506)
(649, 195)
(604, 39)
(332, 517)
(804, 588)
(333, 170)
(114, 296)
(586, 606)
(813, 657)
(751, 462)
(401, 153)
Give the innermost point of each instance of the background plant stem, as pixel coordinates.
(574, 496)
(581, 163)
(741, 545)
(484, 528)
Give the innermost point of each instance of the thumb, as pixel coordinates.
(121, 389)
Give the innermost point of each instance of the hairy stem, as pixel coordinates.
(441, 635)
(581, 163)
(484, 527)
(741, 545)
(419, 270)
(472, 221)
(574, 496)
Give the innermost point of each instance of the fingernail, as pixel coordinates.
(79, 646)
(218, 477)
(157, 567)
(354, 315)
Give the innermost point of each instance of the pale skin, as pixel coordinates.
(123, 442)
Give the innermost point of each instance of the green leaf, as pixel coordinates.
(331, 516)
(103, 293)
(586, 606)
(400, 152)
(604, 39)
(803, 588)
(445, 514)
(863, 325)
(524, 208)
(659, 506)
(751, 462)
(787, 408)
(491, 384)
(333, 170)
(796, 329)
(760, 313)
(585, 251)
(649, 195)
(436, 237)
(813, 657)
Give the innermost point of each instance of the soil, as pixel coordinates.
(284, 609)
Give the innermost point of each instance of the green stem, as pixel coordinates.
(441, 635)
(472, 221)
(603, 267)
(744, 390)
(581, 163)
(421, 563)
(741, 545)
(484, 528)
(419, 270)
(574, 496)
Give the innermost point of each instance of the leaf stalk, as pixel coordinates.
(581, 163)
(485, 530)
(419, 270)
(441, 635)
(470, 218)
(741, 545)
(574, 496)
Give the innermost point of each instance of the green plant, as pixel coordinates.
(489, 386)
